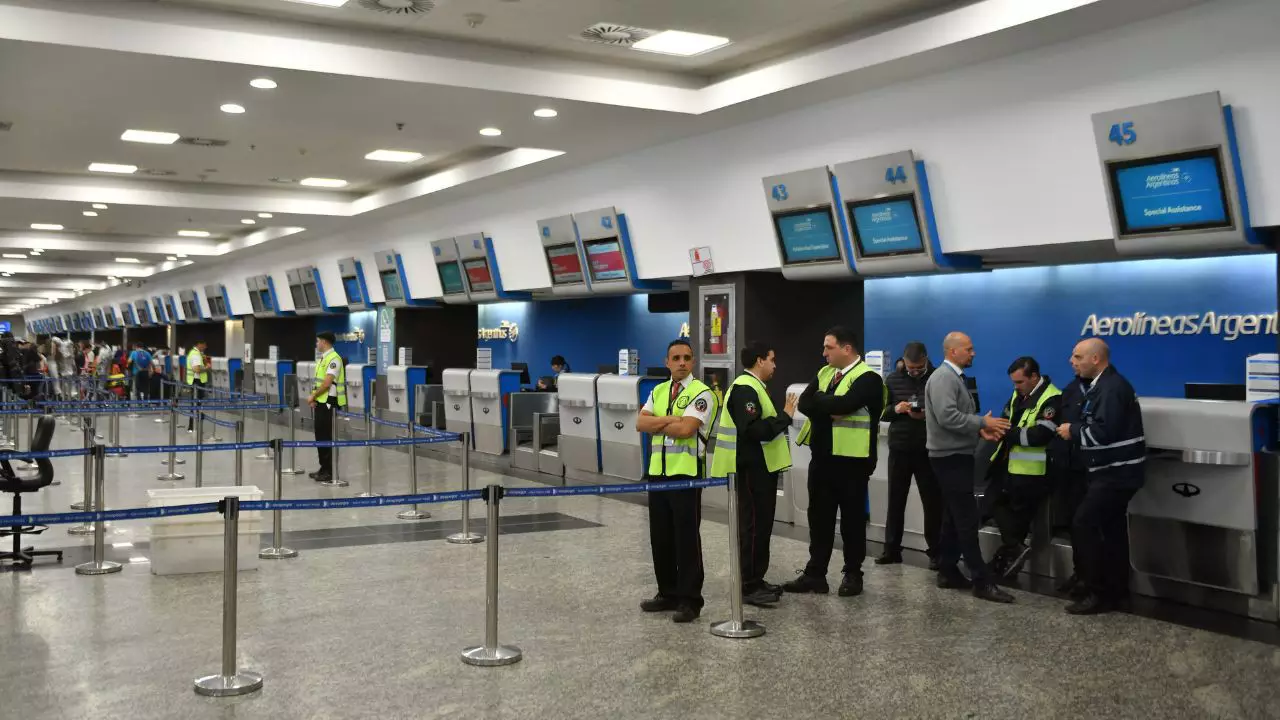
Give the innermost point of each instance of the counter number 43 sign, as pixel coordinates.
(700, 259)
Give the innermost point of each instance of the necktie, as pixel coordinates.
(835, 381)
(675, 393)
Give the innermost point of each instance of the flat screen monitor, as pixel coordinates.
(352, 287)
(806, 236)
(217, 306)
(1170, 193)
(1216, 391)
(606, 261)
(450, 277)
(478, 275)
(886, 226)
(566, 266)
(265, 294)
(657, 371)
(391, 285)
(607, 369)
(312, 291)
(524, 371)
(255, 301)
(299, 297)
(159, 308)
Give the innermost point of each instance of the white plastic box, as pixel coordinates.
(193, 543)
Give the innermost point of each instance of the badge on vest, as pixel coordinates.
(751, 408)
(700, 405)
(682, 403)
(1049, 413)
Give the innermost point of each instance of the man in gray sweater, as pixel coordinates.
(952, 428)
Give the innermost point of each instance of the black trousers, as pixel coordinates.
(1015, 504)
(960, 518)
(832, 487)
(1100, 539)
(903, 464)
(675, 537)
(195, 395)
(324, 432)
(757, 503)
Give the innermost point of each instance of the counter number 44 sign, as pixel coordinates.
(700, 259)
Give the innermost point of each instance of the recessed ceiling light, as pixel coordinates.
(35, 253)
(323, 182)
(395, 156)
(490, 132)
(265, 215)
(90, 213)
(545, 113)
(181, 255)
(263, 83)
(322, 3)
(678, 42)
(171, 258)
(14, 256)
(232, 108)
(150, 136)
(113, 168)
(8, 274)
(128, 260)
(248, 221)
(99, 206)
(194, 233)
(45, 226)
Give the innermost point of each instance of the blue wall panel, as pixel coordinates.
(1042, 312)
(352, 351)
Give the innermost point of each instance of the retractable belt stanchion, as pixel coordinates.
(134, 395)
(161, 418)
(31, 423)
(87, 503)
(371, 433)
(292, 468)
(413, 513)
(335, 480)
(213, 415)
(100, 565)
(173, 440)
(199, 448)
(266, 435)
(465, 536)
(232, 680)
(491, 653)
(735, 626)
(239, 453)
(277, 551)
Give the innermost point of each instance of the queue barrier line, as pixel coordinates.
(662, 486)
(421, 440)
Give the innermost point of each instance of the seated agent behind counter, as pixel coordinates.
(751, 440)
(674, 417)
(330, 393)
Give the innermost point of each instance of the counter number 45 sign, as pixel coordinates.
(700, 259)
(1122, 134)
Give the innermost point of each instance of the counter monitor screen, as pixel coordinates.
(1170, 193)
(391, 285)
(806, 236)
(450, 278)
(266, 299)
(299, 297)
(352, 286)
(217, 305)
(312, 293)
(605, 259)
(886, 226)
(255, 300)
(478, 275)
(566, 266)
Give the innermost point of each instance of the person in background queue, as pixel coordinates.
(1023, 466)
(140, 371)
(751, 440)
(329, 394)
(1111, 440)
(904, 411)
(197, 375)
(842, 405)
(674, 417)
(952, 428)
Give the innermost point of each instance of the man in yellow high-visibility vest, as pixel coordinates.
(329, 394)
(197, 375)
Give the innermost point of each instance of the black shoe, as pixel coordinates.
(658, 603)
(323, 477)
(1091, 605)
(775, 589)
(934, 564)
(851, 586)
(1122, 604)
(950, 581)
(889, 558)
(313, 475)
(760, 597)
(1017, 557)
(989, 591)
(805, 583)
(686, 613)
(1067, 586)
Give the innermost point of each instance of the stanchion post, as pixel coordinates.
(232, 680)
(371, 433)
(735, 626)
(491, 653)
(163, 418)
(266, 435)
(199, 448)
(239, 453)
(293, 452)
(465, 536)
(100, 565)
(277, 551)
(172, 475)
(87, 503)
(413, 513)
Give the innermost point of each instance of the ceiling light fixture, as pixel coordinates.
(545, 113)
(321, 3)
(150, 136)
(14, 256)
(490, 132)
(35, 253)
(263, 83)
(45, 226)
(99, 206)
(171, 258)
(128, 260)
(232, 108)
(180, 255)
(248, 221)
(323, 182)
(395, 156)
(265, 215)
(678, 42)
(194, 233)
(90, 213)
(7, 274)
(113, 168)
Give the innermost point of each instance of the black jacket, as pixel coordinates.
(905, 432)
(1109, 432)
(1072, 402)
(867, 391)
(744, 408)
(1042, 434)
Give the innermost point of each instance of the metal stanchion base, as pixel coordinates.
(177, 461)
(171, 476)
(413, 515)
(464, 538)
(85, 529)
(292, 471)
(160, 420)
(490, 657)
(277, 553)
(735, 629)
(369, 494)
(92, 568)
(133, 416)
(242, 683)
(334, 483)
(99, 437)
(79, 506)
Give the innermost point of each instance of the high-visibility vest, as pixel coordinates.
(777, 453)
(339, 386)
(851, 434)
(1024, 459)
(682, 454)
(195, 357)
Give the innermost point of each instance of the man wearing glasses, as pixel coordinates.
(908, 455)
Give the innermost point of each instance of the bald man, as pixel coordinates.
(952, 430)
(1110, 440)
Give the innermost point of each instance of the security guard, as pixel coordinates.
(751, 441)
(843, 407)
(197, 375)
(1021, 471)
(1111, 441)
(330, 393)
(674, 417)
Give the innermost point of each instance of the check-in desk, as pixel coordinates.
(402, 383)
(218, 376)
(234, 376)
(878, 501)
(257, 381)
(490, 391)
(306, 379)
(427, 401)
(623, 452)
(457, 401)
(579, 426)
(534, 425)
(272, 378)
(360, 387)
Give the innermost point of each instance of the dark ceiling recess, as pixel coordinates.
(202, 142)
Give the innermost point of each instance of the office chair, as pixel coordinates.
(13, 482)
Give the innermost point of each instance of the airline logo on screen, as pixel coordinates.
(506, 330)
(1229, 327)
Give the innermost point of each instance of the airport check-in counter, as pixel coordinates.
(260, 380)
(579, 426)
(305, 377)
(457, 401)
(271, 378)
(359, 387)
(623, 451)
(428, 402)
(489, 407)
(402, 384)
(219, 373)
(534, 425)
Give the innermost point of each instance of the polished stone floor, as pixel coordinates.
(373, 629)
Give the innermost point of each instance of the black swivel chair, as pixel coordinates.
(12, 482)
